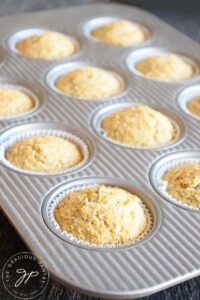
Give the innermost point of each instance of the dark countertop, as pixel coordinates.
(182, 14)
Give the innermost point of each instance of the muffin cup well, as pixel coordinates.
(104, 111)
(55, 196)
(92, 24)
(185, 96)
(136, 56)
(20, 35)
(16, 133)
(59, 70)
(165, 163)
(33, 90)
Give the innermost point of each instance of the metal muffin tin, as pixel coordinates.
(169, 254)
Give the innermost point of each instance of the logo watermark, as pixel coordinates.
(25, 276)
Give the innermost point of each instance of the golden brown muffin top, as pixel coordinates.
(120, 33)
(14, 102)
(102, 215)
(168, 67)
(47, 46)
(139, 126)
(89, 83)
(45, 154)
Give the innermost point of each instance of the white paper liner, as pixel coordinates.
(104, 134)
(28, 92)
(60, 197)
(186, 96)
(162, 184)
(52, 132)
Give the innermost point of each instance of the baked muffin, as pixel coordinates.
(89, 83)
(184, 183)
(139, 126)
(14, 102)
(102, 215)
(48, 46)
(194, 106)
(44, 154)
(167, 67)
(119, 33)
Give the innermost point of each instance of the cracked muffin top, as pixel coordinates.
(14, 102)
(89, 83)
(139, 126)
(102, 215)
(47, 46)
(44, 154)
(168, 67)
(120, 33)
(194, 106)
(183, 183)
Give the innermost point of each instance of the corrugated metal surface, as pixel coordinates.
(172, 255)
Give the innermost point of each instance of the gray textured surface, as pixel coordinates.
(189, 290)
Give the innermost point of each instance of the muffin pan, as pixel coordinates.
(168, 254)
